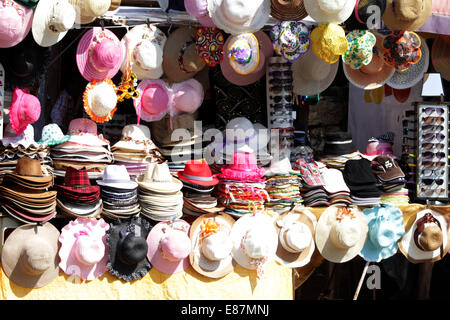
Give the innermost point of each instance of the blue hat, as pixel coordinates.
(386, 227)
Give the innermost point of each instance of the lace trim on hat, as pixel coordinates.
(259, 263)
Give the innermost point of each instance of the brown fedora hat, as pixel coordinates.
(288, 10)
(406, 14)
(30, 169)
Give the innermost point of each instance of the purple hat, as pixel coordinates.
(199, 10)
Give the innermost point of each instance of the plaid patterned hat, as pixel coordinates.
(76, 182)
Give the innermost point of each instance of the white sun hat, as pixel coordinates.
(158, 178)
(330, 11)
(51, 21)
(100, 100)
(239, 16)
(117, 176)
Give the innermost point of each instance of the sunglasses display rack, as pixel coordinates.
(280, 112)
(408, 157)
(432, 152)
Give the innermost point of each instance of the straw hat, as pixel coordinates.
(100, 100)
(25, 109)
(440, 56)
(15, 24)
(49, 29)
(402, 49)
(286, 10)
(243, 53)
(341, 233)
(89, 10)
(335, 11)
(329, 42)
(30, 255)
(312, 75)
(211, 245)
(427, 239)
(296, 237)
(181, 60)
(239, 16)
(158, 178)
(406, 15)
(134, 137)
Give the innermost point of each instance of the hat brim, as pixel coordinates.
(321, 16)
(210, 183)
(119, 185)
(440, 57)
(25, 28)
(393, 22)
(161, 187)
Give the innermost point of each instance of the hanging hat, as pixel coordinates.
(25, 109)
(402, 49)
(414, 74)
(15, 23)
(243, 53)
(158, 178)
(290, 39)
(99, 54)
(426, 240)
(181, 60)
(440, 56)
(154, 99)
(115, 4)
(255, 241)
(239, 16)
(265, 51)
(83, 251)
(386, 227)
(359, 52)
(134, 137)
(145, 47)
(329, 42)
(52, 135)
(312, 75)
(52, 20)
(126, 239)
(211, 245)
(199, 10)
(341, 233)
(295, 238)
(187, 97)
(100, 100)
(330, 11)
(169, 246)
(198, 172)
(288, 10)
(375, 74)
(406, 15)
(89, 10)
(209, 43)
(30, 255)
(116, 176)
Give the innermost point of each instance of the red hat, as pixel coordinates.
(77, 181)
(25, 109)
(198, 172)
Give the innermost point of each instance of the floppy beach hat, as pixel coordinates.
(181, 60)
(402, 49)
(169, 246)
(15, 23)
(334, 11)
(198, 172)
(255, 241)
(440, 56)
(239, 16)
(243, 53)
(117, 176)
(30, 255)
(265, 51)
(144, 47)
(426, 239)
(329, 42)
(100, 100)
(158, 178)
(406, 15)
(312, 75)
(295, 237)
(84, 131)
(243, 168)
(126, 240)
(187, 97)
(288, 10)
(211, 245)
(386, 227)
(154, 100)
(341, 233)
(414, 74)
(83, 251)
(199, 10)
(359, 52)
(135, 137)
(52, 135)
(373, 75)
(290, 39)
(99, 54)
(89, 10)
(25, 109)
(209, 43)
(51, 21)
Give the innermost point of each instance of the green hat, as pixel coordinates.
(52, 135)
(28, 3)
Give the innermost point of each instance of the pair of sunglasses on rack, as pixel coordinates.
(281, 73)
(430, 155)
(434, 164)
(280, 64)
(428, 111)
(431, 192)
(431, 136)
(434, 120)
(282, 106)
(430, 146)
(429, 181)
(278, 99)
(433, 173)
(281, 82)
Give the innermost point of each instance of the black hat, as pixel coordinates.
(338, 143)
(359, 173)
(127, 241)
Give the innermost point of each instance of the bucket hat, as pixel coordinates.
(211, 245)
(402, 49)
(187, 97)
(386, 227)
(30, 255)
(154, 100)
(198, 172)
(169, 246)
(83, 251)
(52, 135)
(126, 240)
(359, 52)
(406, 15)
(49, 29)
(116, 176)
(89, 10)
(290, 39)
(239, 16)
(440, 56)
(210, 45)
(15, 24)
(99, 54)
(25, 109)
(158, 178)
(341, 233)
(329, 42)
(334, 11)
(199, 10)
(243, 168)
(285, 10)
(100, 100)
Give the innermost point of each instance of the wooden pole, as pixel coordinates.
(355, 297)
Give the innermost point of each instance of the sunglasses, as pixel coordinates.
(430, 192)
(280, 73)
(407, 130)
(405, 139)
(434, 164)
(281, 82)
(289, 131)
(277, 99)
(430, 155)
(436, 120)
(429, 146)
(278, 106)
(432, 127)
(281, 113)
(438, 111)
(431, 136)
(432, 173)
(280, 64)
(279, 88)
(429, 181)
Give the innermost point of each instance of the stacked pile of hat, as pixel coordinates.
(338, 149)
(334, 185)
(362, 182)
(312, 187)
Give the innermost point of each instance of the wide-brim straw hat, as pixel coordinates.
(285, 10)
(333, 16)
(89, 10)
(26, 20)
(440, 56)
(394, 21)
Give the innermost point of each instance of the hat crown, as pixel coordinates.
(51, 131)
(217, 246)
(244, 161)
(28, 106)
(175, 245)
(38, 256)
(431, 237)
(82, 125)
(103, 99)
(374, 67)
(155, 99)
(331, 6)
(61, 16)
(27, 166)
(136, 132)
(75, 177)
(296, 236)
(256, 244)
(132, 249)
(240, 51)
(408, 10)
(381, 232)
(89, 249)
(282, 166)
(148, 55)
(345, 233)
(106, 54)
(239, 11)
(196, 8)
(114, 172)
(197, 168)
(10, 24)
(316, 69)
(188, 98)
(96, 8)
(161, 173)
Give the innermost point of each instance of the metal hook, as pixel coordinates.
(102, 24)
(148, 23)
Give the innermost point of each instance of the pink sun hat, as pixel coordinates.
(187, 97)
(15, 23)
(154, 100)
(199, 10)
(243, 168)
(83, 251)
(169, 246)
(25, 109)
(99, 54)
